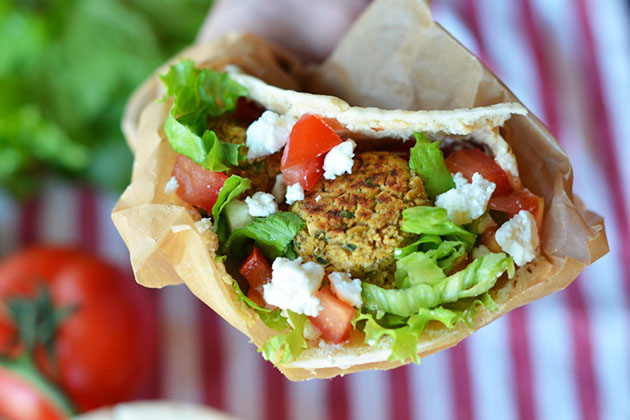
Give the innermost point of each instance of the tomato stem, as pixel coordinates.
(24, 368)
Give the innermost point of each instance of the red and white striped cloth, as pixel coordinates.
(566, 356)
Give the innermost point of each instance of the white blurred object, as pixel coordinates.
(155, 410)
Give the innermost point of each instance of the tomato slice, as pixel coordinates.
(490, 241)
(517, 201)
(307, 174)
(334, 320)
(469, 161)
(197, 186)
(309, 138)
(257, 271)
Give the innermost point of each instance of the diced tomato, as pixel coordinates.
(303, 157)
(334, 320)
(307, 174)
(517, 201)
(197, 186)
(248, 111)
(309, 138)
(469, 161)
(257, 271)
(489, 240)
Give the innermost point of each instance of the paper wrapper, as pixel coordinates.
(394, 57)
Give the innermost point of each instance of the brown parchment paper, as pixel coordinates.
(394, 57)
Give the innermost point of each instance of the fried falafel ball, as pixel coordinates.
(353, 222)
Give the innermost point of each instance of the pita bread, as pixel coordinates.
(166, 247)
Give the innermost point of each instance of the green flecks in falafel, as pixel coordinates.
(355, 224)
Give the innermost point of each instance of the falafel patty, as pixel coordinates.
(353, 222)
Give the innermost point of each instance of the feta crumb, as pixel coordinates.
(279, 188)
(339, 159)
(346, 289)
(519, 237)
(295, 193)
(466, 201)
(311, 332)
(171, 186)
(480, 251)
(204, 225)
(319, 197)
(268, 134)
(261, 204)
(293, 284)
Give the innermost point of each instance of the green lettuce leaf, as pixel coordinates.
(434, 221)
(426, 160)
(199, 94)
(406, 334)
(232, 188)
(273, 234)
(444, 253)
(283, 348)
(428, 287)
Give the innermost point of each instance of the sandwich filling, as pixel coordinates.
(331, 241)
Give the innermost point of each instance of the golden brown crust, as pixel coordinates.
(353, 222)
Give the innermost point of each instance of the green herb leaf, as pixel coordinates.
(426, 160)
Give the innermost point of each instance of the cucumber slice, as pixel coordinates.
(237, 215)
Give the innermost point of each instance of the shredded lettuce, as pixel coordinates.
(232, 188)
(444, 253)
(283, 348)
(199, 94)
(427, 286)
(273, 234)
(434, 221)
(406, 334)
(426, 160)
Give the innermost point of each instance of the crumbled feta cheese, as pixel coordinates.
(261, 204)
(268, 134)
(319, 197)
(466, 201)
(295, 193)
(311, 332)
(204, 225)
(519, 237)
(279, 188)
(339, 159)
(480, 251)
(293, 284)
(171, 186)
(346, 289)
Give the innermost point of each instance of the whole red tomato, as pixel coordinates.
(104, 349)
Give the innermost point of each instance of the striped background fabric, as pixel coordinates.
(566, 356)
